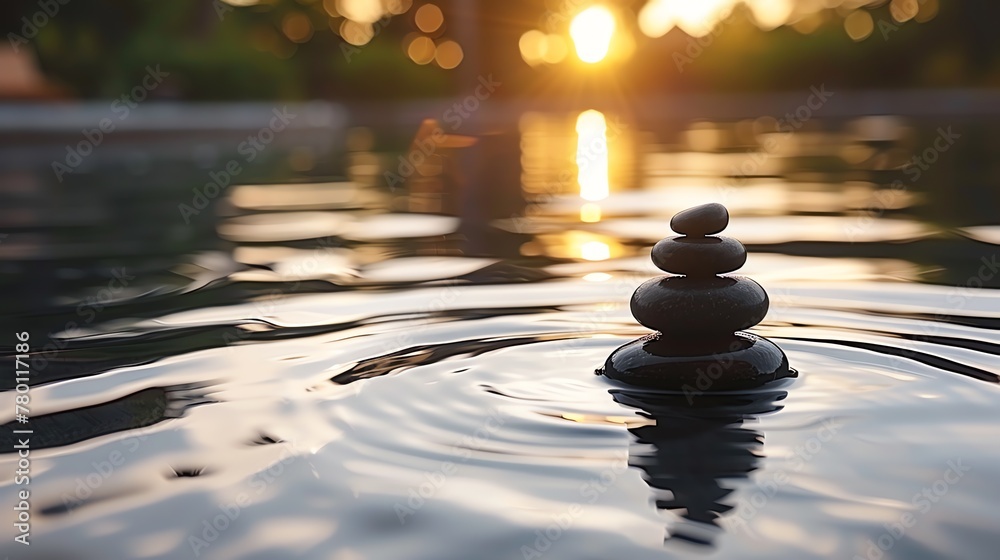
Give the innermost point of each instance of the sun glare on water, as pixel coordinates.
(592, 30)
(592, 155)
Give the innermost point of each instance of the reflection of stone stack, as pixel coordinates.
(697, 314)
(695, 451)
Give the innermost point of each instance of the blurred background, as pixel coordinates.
(193, 139)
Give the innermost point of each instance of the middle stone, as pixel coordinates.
(699, 256)
(695, 307)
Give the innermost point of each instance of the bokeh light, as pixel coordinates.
(297, 27)
(904, 10)
(537, 47)
(428, 18)
(859, 25)
(421, 50)
(448, 55)
(770, 14)
(592, 30)
(364, 11)
(556, 49)
(356, 33)
(397, 7)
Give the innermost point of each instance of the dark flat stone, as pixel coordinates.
(701, 220)
(695, 307)
(699, 256)
(735, 362)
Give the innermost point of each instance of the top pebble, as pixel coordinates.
(706, 219)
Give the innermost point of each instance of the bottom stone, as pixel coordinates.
(734, 362)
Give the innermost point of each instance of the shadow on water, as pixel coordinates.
(696, 445)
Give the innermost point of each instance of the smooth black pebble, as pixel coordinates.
(734, 362)
(699, 256)
(691, 307)
(701, 220)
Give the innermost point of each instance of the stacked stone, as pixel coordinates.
(697, 315)
(699, 303)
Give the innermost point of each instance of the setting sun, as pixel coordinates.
(592, 30)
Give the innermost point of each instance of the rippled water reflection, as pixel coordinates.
(332, 372)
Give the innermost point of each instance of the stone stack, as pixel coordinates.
(697, 314)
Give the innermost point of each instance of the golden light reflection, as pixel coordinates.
(597, 277)
(595, 251)
(592, 155)
(590, 213)
(592, 30)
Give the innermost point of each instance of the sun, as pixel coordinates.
(591, 31)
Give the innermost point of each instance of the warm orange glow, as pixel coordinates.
(592, 155)
(590, 213)
(904, 10)
(859, 25)
(698, 18)
(421, 50)
(448, 55)
(770, 14)
(537, 47)
(297, 27)
(355, 33)
(595, 251)
(397, 7)
(428, 18)
(592, 31)
(362, 11)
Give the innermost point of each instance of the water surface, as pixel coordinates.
(322, 367)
